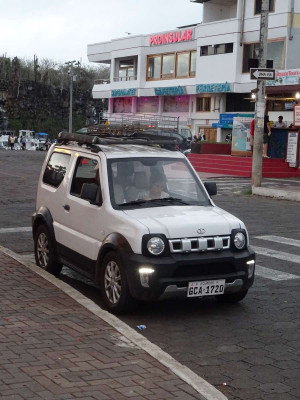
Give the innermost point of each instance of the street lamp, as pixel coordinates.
(71, 65)
(297, 95)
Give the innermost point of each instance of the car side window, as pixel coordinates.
(56, 169)
(86, 171)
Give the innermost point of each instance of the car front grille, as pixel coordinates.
(188, 271)
(214, 243)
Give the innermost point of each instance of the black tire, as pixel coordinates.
(44, 251)
(117, 298)
(232, 297)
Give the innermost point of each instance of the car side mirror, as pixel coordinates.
(89, 192)
(211, 188)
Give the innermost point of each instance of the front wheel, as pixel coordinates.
(232, 297)
(44, 251)
(114, 286)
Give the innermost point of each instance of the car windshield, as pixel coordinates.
(154, 182)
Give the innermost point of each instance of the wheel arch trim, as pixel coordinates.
(116, 243)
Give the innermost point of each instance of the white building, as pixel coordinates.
(199, 72)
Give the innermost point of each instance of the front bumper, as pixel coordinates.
(173, 273)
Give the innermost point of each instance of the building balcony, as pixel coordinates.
(101, 81)
(125, 78)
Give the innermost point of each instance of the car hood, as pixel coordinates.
(186, 221)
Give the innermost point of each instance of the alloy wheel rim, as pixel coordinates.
(112, 282)
(43, 250)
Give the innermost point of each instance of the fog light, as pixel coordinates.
(250, 265)
(145, 272)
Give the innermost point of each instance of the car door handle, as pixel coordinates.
(66, 207)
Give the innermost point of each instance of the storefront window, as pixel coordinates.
(176, 103)
(147, 104)
(183, 60)
(203, 104)
(122, 105)
(193, 63)
(154, 66)
(168, 65)
(275, 52)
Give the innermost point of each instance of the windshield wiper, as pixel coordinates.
(133, 203)
(170, 200)
(154, 201)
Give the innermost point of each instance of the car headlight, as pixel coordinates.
(155, 246)
(239, 240)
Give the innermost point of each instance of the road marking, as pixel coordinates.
(280, 239)
(277, 254)
(274, 275)
(16, 230)
(208, 391)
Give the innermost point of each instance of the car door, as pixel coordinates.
(80, 220)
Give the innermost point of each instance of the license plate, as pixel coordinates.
(206, 288)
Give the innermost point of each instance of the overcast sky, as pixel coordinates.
(61, 29)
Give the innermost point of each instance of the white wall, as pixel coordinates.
(217, 12)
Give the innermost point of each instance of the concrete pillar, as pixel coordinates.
(160, 105)
(110, 105)
(134, 105)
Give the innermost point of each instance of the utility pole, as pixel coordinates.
(260, 98)
(72, 78)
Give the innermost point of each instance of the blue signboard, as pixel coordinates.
(213, 88)
(224, 126)
(170, 91)
(227, 118)
(123, 92)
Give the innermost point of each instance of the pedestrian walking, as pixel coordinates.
(267, 134)
(12, 142)
(252, 129)
(23, 142)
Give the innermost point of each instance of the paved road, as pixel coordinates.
(252, 347)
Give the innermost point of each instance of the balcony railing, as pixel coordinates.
(101, 81)
(125, 78)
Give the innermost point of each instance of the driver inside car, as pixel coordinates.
(157, 186)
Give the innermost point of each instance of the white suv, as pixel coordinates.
(138, 221)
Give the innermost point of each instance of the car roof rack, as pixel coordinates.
(95, 142)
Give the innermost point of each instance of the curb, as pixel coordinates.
(205, 389)
(276, 193)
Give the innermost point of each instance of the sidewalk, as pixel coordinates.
(284, 189)
(57, 344)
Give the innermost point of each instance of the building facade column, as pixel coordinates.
(134, 105)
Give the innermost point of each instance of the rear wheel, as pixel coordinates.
(114, 286)
(232, 297)
(44, 251)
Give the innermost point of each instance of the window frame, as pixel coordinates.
(282, 39)
(78, 158)
(175, 54)
(202, 99)
(271, 11)
(215, 47)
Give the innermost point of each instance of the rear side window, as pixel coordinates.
(86, 172)
(56, 169)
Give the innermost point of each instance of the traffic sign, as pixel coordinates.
(262, 74)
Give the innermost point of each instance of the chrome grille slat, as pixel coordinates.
(213, 243)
